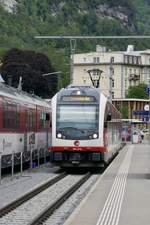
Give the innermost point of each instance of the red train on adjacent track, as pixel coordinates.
(25, 122)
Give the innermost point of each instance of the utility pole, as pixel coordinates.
(110, 78)
(72, 49)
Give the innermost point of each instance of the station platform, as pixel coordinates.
(121, 195)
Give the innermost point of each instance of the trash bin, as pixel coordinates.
(135, 138)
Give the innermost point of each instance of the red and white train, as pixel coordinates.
(25, 124)
(86, 128)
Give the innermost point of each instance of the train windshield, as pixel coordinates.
(77, 116)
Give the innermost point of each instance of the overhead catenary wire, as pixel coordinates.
(93, 37)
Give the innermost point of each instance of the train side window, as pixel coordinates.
(11, 118)
(42, 119)
(26, 119)
(32, 119)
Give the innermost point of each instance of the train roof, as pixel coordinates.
(84, 90)
(21, 96)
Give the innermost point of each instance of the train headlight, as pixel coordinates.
(95, 135)
(59, 135)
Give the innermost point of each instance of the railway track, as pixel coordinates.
(46, 213)
(38, 206)
(13, 205)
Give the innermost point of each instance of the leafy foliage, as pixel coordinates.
(138, 91)
(30, 66)
(80, 17)
(124, 111)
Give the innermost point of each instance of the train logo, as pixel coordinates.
(76, 143)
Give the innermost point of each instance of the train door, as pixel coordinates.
(26, 130)
(43, 128)
(29, 134)
(32, 129)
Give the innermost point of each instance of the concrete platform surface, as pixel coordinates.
(121, 196)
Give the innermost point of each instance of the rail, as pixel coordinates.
(13, 205)
(45, 214)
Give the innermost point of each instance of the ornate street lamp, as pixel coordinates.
(95, 75)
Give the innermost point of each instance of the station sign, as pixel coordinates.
(148, 89)
(145, 118)
(141, 113)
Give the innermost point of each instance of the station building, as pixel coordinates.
(127, 68)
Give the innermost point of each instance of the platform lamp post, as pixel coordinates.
(53, 73)
(95, 75)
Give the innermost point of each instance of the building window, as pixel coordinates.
(138, 60)
(112, 71)
(135, 60)
(134, 71)
(112, 59)
(130, 59)
(112, 93)
(125, 83)
(126, 59)
(126, 71)
(96, 60)
(113, 82)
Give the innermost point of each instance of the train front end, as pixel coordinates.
(77, 127)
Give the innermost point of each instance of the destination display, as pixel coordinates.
(78, 98)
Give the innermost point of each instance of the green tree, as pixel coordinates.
(30, 66)
(124, 112)
(138, 91)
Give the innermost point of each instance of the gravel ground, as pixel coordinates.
(11, 189)
(61, 215)
(27, 211)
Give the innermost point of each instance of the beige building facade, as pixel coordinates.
(120, 69)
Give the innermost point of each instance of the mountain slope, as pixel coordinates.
(81, 17)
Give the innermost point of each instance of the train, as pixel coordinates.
(25, 125)
(86, 128)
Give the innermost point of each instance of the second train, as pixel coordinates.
(86, 128)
